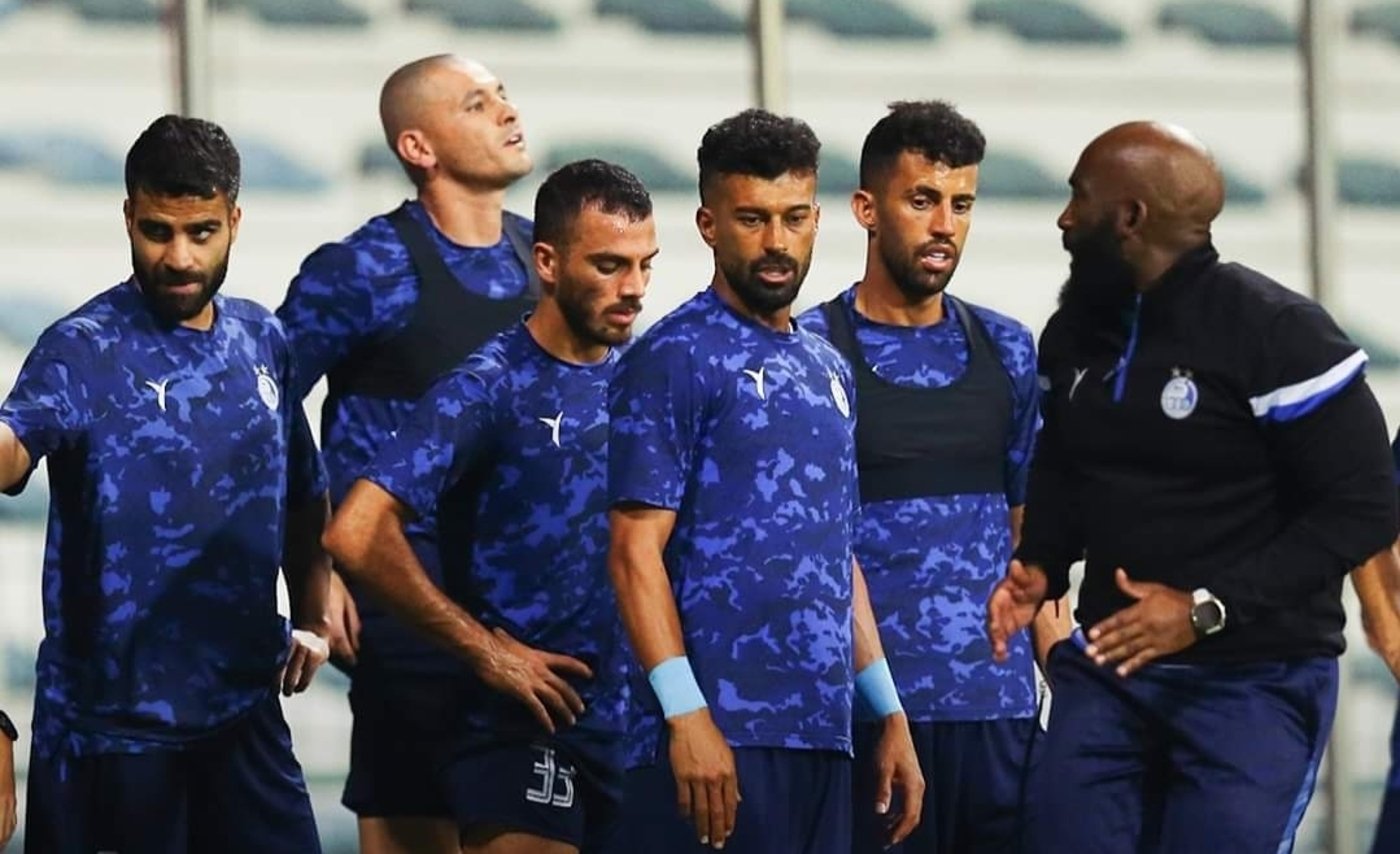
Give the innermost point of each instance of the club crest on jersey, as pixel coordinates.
(267, 388)
(1179, 395)
(838, 395)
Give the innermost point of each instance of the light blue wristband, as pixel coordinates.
(675, 687)
(875, 685)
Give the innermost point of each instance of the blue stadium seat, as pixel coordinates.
(655, 171)
(376, 159)
(22, 318)
(306, 13)
(1240, 190)
(30, 507)
(8, 6)
(61, 157)
(1229, 23)
(838, 175)
(1368, 182)
(688, 17)
(876, 19)
(489, 14)
(266, 167)
(118, 11)
(1008, 175)
(1381, 19)
(18, 666)
(1048, 21)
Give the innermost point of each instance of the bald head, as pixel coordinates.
(1163, 169)
(417, 88)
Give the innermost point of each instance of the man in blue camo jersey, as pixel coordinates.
(519, 435)
(381, 315)
(947, 415)
(182, 477)
(733, 488)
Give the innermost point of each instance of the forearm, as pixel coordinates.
(1377, 584)
(644, 598)
(14, 458)
(307, 566)
(868, 648)
(369, 546)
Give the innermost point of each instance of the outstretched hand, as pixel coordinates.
(1013, 604)
(1157, 624)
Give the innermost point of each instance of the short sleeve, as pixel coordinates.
(1303, 362)
(328, 310)
(51, 403)
(449, 431)
(655, 406)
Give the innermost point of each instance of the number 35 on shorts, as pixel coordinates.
(554, 780)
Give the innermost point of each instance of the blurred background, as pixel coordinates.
(296, 83)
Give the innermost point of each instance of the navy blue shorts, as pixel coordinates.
(977, 774)
(400, 722)
(1179, 757)
(794, 802)
(567, 789)
(238, 791)
(1387, 839)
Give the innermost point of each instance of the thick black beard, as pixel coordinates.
(176, 311)
(1100, 286)
(754, 294)
(580, 323)
(908, 278)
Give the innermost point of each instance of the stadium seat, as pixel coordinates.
(118, 11)
(376, 159)
(1381, 19)
(18, 666)
(304, 13)
(689, 17)
(1008, 175)
(1228, 23)
(8, 6)
(22, 318)
(489, 14)
(61, 157)
(30, 507)
(654, 170)
(1381, 356)
(838, 174)
(874, 19)
(1240, 190)
(266, 167)
(1368, 182)
(1048, 21)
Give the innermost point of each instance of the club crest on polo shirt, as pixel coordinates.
(1179, 395)
(267, 388)
(838, 395)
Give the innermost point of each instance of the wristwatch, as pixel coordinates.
(7, 727)
(1207, 612)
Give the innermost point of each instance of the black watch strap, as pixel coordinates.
(7, 727)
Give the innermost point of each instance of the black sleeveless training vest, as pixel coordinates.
(448, 321)
(922, 442)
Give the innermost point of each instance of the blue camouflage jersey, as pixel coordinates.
(931, 563)
(361, 289)
(173, 455)
(526, 435)
(747, 434)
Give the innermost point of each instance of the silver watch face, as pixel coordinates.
(1207, 617)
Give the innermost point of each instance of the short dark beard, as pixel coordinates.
(913, 282)
(1101, 283)
(577, 318)
(757, 297)
(171, 309)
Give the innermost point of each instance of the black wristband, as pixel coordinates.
(7, 727)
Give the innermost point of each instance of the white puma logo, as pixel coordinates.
(554, 427)
(1078, 378)
(758, 381)
(159, 389)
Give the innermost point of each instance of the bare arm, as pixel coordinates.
(307, 566)
(707, 784)
(9, 818)
(1377, 583)
(14, 458)
(1052, 622)
(367, 540)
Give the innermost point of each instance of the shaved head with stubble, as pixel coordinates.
(1142, 195)
(447, 115)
